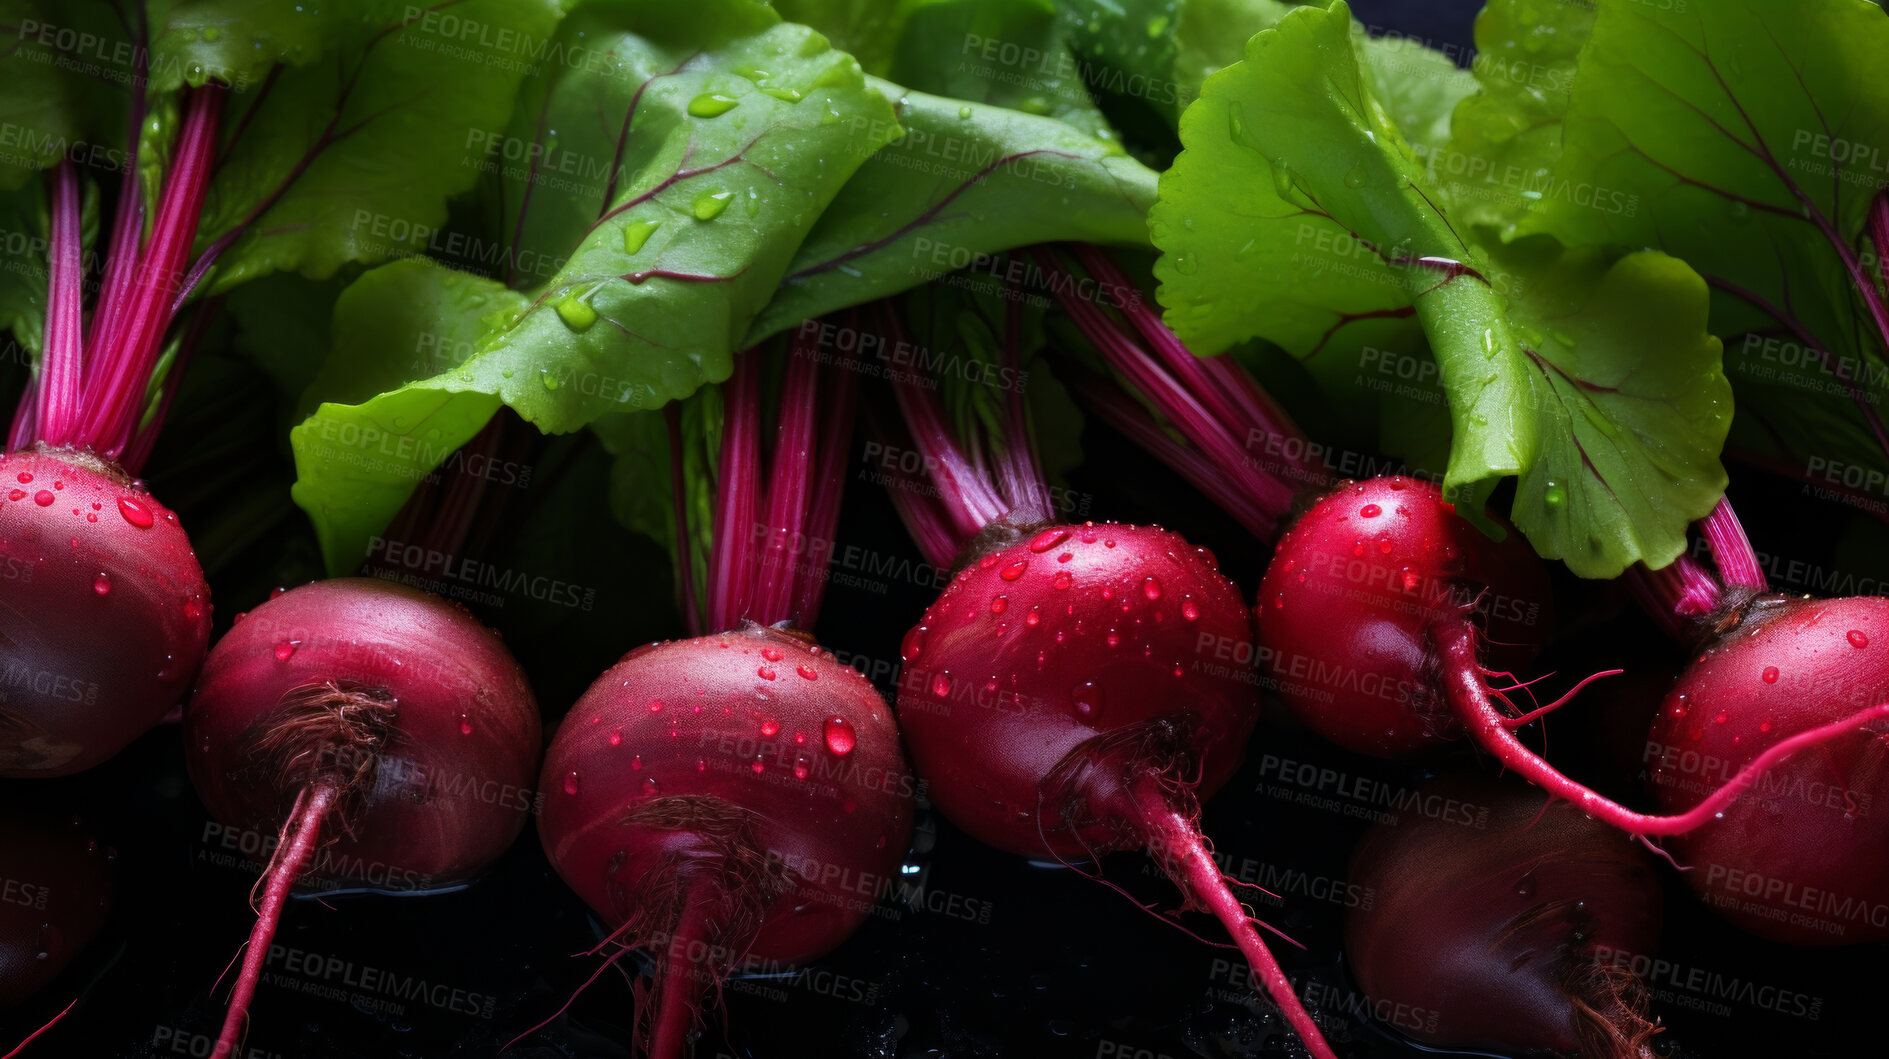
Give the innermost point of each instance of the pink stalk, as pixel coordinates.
(1494, 731)
(1879, 235)
(788, 486)
(913, 495)
(737, 501)
(1731, 549)
(61, 365)
(1125, 414)
(1019, 479)
(829, 483)
(126, 355)
(964, 492)
(139, 451)
(1219, 418)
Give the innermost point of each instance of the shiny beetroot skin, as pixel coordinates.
(1347, 604)
(104, 613)
(1056, 646)
(58, 893)
(1479, 921)
(445, 790)
(752, 756)
(1803, 857)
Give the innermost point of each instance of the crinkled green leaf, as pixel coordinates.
(1632, 406)
(1747, 137)
(1005, 53)
(61, 65)
(1504, 151)
(352, 158)
(868, 29)
(1299, 213)
(1212, 34)
(236, 42)
(964, 182)
(736, 148)
(373, 435)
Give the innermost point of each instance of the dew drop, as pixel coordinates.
(465, 725)
(284, 650)
(772, 654)
(914, 643)
(43, 498)
(135, 512)
(1087, 698)
(839, 736)
(655, 705)
(25, 477)
(941, 684)
(1151, 588)
(102, 584)
(766, 673)
(1769, 674)
(770, 728)
(1061, 581)
(712, 105)
(1190, 610)
(1857, 639)
(759, 765)
(710, 204)
(570, 783)
(1370, 511)
(1014, 570)
(1048, 539)
(808, 672)
(998, 604)
(636, 233)
(616, 737)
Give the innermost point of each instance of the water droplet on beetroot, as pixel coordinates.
(1014, 570)
(1061, 581)
(1190, 610)
(759, 764)
(998, 604)
(1764, 726)
(808, 672)
(636, 763)
(43, 498)
(135, 512)
(1279, 601)
(276, 591)
(941, 685)
(770, 728)
(650, 786)
(102, 584)
(465, 725)
(1370, 511)
(655, 706)
(1722, 717)
(772, 654)
(616, 737)
(25, 477)
(800, 767)
(1151, 588)
(17, 494)
(986, 562)
(570, 783)
(1035, 617)
(766, 673)
(284, 650)
(1769, 674)
(839, 735)
(1384, 545)
(1087, 698)
(1857, 639)
(914, 643)
(1357, 549)
(1048, 539)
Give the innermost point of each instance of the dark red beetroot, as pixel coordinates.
(1804, 858)
(106, 613)
(737, 801)
(1489, 921)
(735, 797)
(384, 733)
(1099, 656)
(57, 893)
(1349, 602)
(1076, 689)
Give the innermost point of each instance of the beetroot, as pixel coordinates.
(57, 893)
(108, 614)
(1355, 587)
(736, 800)
(1804, 858)
(1508, 924)
(1076, 689)
(386, 735)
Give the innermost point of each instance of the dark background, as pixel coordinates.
(1028, 960)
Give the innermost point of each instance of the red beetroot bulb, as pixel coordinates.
(387, 735)
(1348, 605)
(1050, 669)
(745, 785)
(106, 615)
(1803, 857)
(1487, 921)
